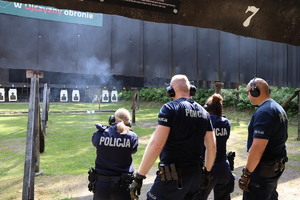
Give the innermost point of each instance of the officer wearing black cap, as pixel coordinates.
(267, 135)
(115, 145)
(222, 181)
(184, 127)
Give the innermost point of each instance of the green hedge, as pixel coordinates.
(230, 97)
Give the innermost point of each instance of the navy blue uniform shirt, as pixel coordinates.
(114, 151)
(189, 122)
(269, 122)
(221, 127)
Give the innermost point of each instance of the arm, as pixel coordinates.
(255, 153)
(95, 138)
(210, 153)
(135, 145)
(154, 148)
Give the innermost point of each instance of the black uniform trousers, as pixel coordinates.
(222, 182)
(110, 191)
(262, 188)
(169, 190)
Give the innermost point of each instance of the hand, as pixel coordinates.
(245, 180)
(206, 178)
(135, 186)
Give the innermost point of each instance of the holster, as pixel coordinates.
(168, 172)
(92, 177)
(271, 169)
(230, 158)
(126, 180)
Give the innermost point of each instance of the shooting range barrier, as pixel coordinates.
(35, 143)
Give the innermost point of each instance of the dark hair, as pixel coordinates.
(214, 104)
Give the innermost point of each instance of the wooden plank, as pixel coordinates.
(45, 108)
(296, 93)
(32, 131)
(134, 103)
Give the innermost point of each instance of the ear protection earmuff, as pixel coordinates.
(207, 107)
(171, 91)
(254, 91)
(111, 120)
(193, 90)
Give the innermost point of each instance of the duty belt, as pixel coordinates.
(108, 179)
(189, 168)
(168, 172)
(271, 169)
(221, 158)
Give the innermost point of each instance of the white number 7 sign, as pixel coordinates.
(252, 9)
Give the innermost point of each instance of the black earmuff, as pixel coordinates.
(207, 107)
(193, 90)
(171, 91)
(254, 91)
(111, 120)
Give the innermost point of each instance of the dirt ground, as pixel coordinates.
(63, 187)
(75, 187)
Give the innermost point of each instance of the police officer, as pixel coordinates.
(115, 145)
(183, 128)
(267, 134)
(223, 180)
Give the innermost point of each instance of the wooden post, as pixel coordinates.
(134, 103)
(218, 86)
(45, 108)
(237, 85)
(38, 143)
(32, 131)
(296, 93)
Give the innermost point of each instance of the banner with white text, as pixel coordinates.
(50, 13)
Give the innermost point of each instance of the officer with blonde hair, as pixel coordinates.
(115, 145)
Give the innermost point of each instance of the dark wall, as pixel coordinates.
(276, 20)
(151, 51)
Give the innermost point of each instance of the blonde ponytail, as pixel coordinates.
(122, 117)
(122, 128)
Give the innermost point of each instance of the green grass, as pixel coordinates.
(68, 149)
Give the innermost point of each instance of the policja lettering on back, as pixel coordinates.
(114, 142)
(194, 113)
(220, 131)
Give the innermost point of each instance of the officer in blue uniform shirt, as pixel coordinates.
(115, 145)
(223, 180)
(267, 135)
(184, 127)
